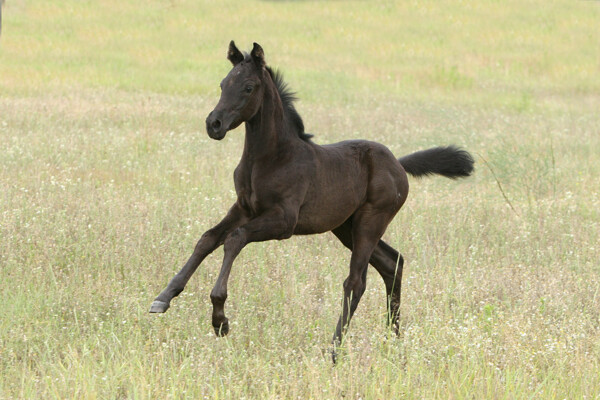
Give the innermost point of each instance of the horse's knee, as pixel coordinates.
(207, 241)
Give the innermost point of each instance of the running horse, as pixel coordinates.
(288, 185)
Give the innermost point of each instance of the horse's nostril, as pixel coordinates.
(216, 124)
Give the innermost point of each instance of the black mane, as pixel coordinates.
(287, 99)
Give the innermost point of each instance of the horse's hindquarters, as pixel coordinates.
(347, 176)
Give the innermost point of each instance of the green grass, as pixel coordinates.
(107, 179)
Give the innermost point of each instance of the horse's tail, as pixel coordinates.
(451, 162)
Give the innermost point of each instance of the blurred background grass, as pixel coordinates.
(493, 52)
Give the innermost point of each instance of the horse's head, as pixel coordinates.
(241, 92)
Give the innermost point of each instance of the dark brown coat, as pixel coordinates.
(287, 185)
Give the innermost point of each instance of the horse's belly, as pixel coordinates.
(323, 217)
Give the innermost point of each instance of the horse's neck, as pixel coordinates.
(265, 132)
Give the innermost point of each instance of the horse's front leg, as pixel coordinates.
(277, 224)
(209, 241)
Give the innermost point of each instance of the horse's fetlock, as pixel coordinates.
(218, 298)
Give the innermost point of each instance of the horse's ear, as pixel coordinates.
(234, 55)
(258, 55)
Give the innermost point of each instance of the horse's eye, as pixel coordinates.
(249, 89)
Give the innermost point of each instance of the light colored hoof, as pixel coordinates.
(159, 306)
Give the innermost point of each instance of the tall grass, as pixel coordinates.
(107, 180)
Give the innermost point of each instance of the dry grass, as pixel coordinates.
(106, 185)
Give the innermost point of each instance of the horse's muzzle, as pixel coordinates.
(214, 126)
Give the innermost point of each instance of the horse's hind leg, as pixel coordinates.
(365, 234)
(388, 262)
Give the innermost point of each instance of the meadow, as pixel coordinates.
(108, 179)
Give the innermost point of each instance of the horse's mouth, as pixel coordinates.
(217, 135)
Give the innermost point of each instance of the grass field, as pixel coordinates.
(107, 180)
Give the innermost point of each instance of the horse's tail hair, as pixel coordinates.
(451, 162)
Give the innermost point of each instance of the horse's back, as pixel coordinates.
(369, 157)
(349, 174)
(387, 185)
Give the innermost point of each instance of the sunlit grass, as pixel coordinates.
(107, 180)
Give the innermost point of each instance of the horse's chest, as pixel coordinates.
(252, 191)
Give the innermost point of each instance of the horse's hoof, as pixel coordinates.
(333, 357)
(222, 330)
(159, 306)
